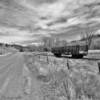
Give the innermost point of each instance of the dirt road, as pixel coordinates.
(11, 67)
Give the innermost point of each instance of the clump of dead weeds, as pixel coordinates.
(61, 81)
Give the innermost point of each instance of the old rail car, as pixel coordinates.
(77, 51)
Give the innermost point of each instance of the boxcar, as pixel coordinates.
(77, 51)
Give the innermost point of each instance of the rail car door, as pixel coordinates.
(75, 50)
(67, 50)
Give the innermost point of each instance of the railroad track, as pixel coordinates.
(67, 57)
(85, 58)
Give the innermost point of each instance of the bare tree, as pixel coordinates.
(87, 37)
(56, 41)
(64, 42)
(48, 43)
(59, 42)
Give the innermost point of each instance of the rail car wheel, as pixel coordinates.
(77, 56)
(80, 56)
(57, 54)
(74, 56)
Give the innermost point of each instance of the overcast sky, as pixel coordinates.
(27, 21)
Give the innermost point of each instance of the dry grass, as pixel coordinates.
(62, 80)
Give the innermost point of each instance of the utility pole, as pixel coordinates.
(99, 67)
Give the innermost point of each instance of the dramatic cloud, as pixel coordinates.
(39, 2)
(26, 21)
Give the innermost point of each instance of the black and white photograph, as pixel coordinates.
(49, 49)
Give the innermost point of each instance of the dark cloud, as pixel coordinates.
(41, 1)
(7, 2)
(77, 30)
(14, 15)
(58, 21)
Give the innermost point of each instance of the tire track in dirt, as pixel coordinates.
(12, 66)
(13, 77)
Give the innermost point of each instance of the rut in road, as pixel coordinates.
(11, 67)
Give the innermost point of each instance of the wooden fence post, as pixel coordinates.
(68, 66)
(47, 59)
(99, 67)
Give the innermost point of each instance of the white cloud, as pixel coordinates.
(70, 22)
(26, 4)
(97, 32)
(12, 39)
(53, 10)
(14, 35)
(13, 32)
(28, 14)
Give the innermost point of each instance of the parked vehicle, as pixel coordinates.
(77, 51)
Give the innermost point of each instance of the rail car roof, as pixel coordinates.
(80, 43)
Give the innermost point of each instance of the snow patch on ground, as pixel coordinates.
(94, 51)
